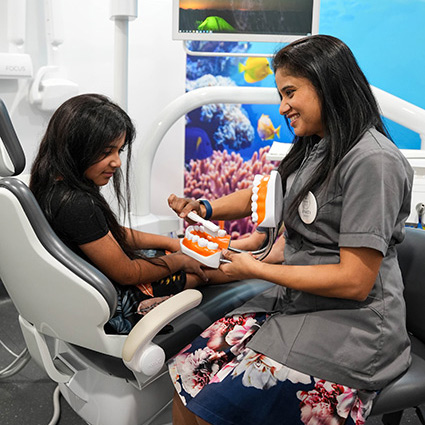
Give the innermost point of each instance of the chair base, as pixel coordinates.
(100, 398)
(420, 411)
(395, 417)
(392, 418)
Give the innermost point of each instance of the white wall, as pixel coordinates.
(156, 76)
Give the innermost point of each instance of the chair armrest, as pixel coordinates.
(139, 353)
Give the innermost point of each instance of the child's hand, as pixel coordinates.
(174, 245)
(190, 265)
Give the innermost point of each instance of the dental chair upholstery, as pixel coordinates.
(12, 158)
(63, 303)
(408, 390)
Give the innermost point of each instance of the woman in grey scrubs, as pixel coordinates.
(317, 346)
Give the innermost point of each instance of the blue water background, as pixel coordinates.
(388, 39)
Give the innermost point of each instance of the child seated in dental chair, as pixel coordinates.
(78, 155)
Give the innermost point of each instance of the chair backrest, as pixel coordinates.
(54, 289)
(411, 257)
(12, 158)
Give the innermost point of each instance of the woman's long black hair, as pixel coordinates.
(348, 106)
(76, 137)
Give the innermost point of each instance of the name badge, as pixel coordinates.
(308, 209)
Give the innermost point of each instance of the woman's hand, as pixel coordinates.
(230, 207)
(241, 266)
(352, 278)
(183, 206)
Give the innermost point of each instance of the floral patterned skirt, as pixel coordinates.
(225, 383)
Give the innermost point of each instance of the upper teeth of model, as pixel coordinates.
(254, 197)
(202, 242)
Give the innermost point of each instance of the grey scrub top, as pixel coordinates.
(364, 344)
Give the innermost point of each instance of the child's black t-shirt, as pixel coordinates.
(77, 220)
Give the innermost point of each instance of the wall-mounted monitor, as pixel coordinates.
(278, 21)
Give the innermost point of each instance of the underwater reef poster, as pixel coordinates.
(226, 144)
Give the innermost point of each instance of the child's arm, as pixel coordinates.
(143, 240)
(107, 255)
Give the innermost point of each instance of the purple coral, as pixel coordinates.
(222, 174)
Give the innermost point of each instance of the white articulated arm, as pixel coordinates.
(139, 353)
(39, 351)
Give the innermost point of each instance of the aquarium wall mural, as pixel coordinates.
(226, 145)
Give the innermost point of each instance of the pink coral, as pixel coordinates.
(224, 173)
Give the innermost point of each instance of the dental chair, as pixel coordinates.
(63, 303)
(408, 390)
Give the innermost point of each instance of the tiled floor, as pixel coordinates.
(26, 398)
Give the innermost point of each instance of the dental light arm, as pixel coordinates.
(122, 12)
(15, 63)
(139, 353)
(50, 87)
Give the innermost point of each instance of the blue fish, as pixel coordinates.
(198, 144)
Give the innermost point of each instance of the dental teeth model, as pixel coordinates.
(267, 200)
(204, 241)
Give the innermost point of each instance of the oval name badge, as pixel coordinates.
(308, 209)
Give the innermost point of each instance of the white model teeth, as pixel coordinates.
(257, 179)
(202, 242)
(212, 245)
(254, 198)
